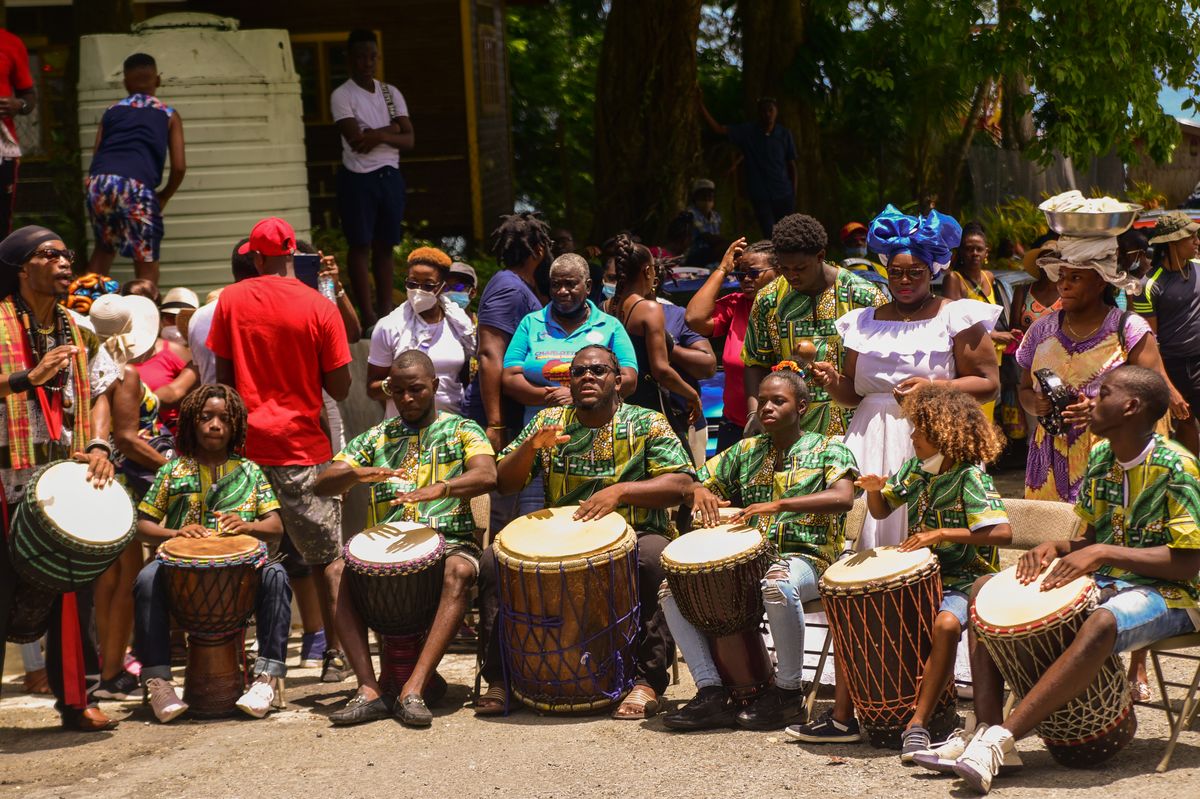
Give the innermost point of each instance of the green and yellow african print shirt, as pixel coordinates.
(636, 445)
(781, 317)
(1155, 503)
(186, 492)
(745, 474)
(961, 496)
(424, 457)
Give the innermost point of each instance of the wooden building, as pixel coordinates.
(446, 56)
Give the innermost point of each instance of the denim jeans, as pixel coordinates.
(532, 497)
(152, 621)
(1142, 615)
(783, 598)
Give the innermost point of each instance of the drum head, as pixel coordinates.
(95, 516)
(1005, 602)
(215, 547)
(552, 535)
(713, 544)
(874, 565)
(394, 543)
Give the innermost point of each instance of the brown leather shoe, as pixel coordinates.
(90, 720)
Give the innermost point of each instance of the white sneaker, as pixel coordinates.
(940, 757)
(981, 761)
(257, 701)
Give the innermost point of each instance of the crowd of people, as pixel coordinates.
(564, 382)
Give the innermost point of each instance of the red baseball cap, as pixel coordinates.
(850, 229)
(271, 236)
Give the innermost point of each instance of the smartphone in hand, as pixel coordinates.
(307, 266)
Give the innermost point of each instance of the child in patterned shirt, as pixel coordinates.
(953, 509)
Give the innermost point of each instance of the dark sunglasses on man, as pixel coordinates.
(593, 369)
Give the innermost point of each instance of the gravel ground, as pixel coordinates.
(297, 752)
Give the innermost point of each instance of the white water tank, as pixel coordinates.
(238, 94)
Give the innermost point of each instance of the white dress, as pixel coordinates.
(888, 353)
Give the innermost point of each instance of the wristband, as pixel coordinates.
(446, 483)
(497, 427)
(98, 442)
(19, 382)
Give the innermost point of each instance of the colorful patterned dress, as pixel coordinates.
(423, 456)
(636, 444)
(745, 474)
(1056, 464)
(782, 317)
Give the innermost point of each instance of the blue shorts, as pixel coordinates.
(371, 205)
(955, 602)
(1142, 615)
(125, 216)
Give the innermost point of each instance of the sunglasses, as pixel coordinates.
(413, 285)
(50, 254)
(912, 274)
(458, 285)
(593, 369)
(752, 274)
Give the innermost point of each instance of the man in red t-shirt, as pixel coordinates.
(16, 97)
(279, 342)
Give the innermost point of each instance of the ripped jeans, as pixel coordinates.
(787, 586)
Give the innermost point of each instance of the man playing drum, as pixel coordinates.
(796, 486)
(210, 490)
(954, 509)
(604, 456)
(53, 375)
(1140, 499)
(423, 465)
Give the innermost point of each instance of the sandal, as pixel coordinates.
(1140, 691)
(413, 711)
(492, 702)
(640, 703)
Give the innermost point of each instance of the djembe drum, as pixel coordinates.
(64, 534)
(1025, 630)
(881, 605)
(569, 609)
(212, 585)
(716, 577)
(395, 572)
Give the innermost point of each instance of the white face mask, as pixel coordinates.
(172, 334)
(421, 300)
(856, 252)
(933, 464)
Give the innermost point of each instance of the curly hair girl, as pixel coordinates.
(189, 418)
(954, 423)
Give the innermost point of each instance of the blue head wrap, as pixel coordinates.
(929, 239)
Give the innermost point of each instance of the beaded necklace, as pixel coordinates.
(43, 339)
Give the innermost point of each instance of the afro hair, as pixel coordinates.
(799, 233)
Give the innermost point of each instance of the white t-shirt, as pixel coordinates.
(202, 356)
(369, 110)
(444, 350)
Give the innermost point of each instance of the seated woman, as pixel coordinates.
(428, 321)
(796, 486)
(953, 509)
(208, 486)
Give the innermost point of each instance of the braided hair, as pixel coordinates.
(630, 258)
(189, 418)
(518, 237)
(789, 372)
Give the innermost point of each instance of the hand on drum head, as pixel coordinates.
(1035, 561)
(749, 512)
(232, 524)
(374, 474)
(706, 507)
(425, 494)
(1069, 567)
(870, 482)
(193, 531)
(925, 538)
(549, 436)
(1078, 413)
(600, 504)
(51, 364)
(100, 468)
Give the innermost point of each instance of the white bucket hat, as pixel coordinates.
(128, 326)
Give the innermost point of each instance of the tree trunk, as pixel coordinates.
(957, 155)
(647, 126)
(773, 34)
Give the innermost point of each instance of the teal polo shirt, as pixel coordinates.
(544, 350)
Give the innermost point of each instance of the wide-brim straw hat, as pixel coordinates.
(133, 318)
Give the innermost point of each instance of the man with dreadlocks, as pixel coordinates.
(521, 243)
(208, 486)
(796, 313)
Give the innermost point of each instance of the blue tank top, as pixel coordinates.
(134, 140)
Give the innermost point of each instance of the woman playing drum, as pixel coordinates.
(795, 486)
(1144, 552)
(209, 490)
(953, 509)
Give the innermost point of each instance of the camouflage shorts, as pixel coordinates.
(314, 524)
